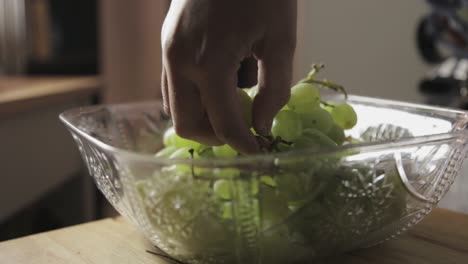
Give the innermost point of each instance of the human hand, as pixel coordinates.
(203, 43)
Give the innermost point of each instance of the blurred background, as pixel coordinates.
(61, 54)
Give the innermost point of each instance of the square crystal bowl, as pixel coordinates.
(274, 208)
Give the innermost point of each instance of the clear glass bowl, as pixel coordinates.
(279, 208)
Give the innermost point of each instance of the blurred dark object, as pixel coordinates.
(442, 39)
(48, 37)
(60, 208)
(247, 74)
(62, 37)
(426, 41)
(446, 83)
(13, 50)
(446, 78)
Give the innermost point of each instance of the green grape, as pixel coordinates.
(268, 180)
(312, 139)
(256, 209)
(304, 94)
(318, 136)
(222, 188)
(344, 116)
(306, 108)
(273, 206)
(337, 134)
(246, 104)
(170, 138)
(318, 119)
(253, 91)
(224, 151)
(226, 172)
(287, 125)
(207, 153)
(329, 107)
(182, 153)
(166, 152)
(254, 187)
(226, 210)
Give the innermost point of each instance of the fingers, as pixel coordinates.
(219, 96)
(187, 111)
(275, 54)
(274, 80)
(165, 92)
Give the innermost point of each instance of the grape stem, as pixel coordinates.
(201, 152)
(327, 104)
(310, 79)
(269, 143)
(265, 142)
(194, 175)
(328, 84)
(316, 68)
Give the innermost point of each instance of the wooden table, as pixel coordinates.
(21, 93)
(29, 125)
(441, 238)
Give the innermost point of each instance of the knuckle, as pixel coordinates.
(171, 48)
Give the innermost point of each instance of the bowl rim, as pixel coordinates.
(459, 131)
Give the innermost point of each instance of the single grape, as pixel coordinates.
(224, 151)
(312, 139)
(329, 106)
(287, 125)
(252, 92)
(273, 206)
(170, 138)
(207, 153)
(166, 152)
(226, 172)
(268, 180)
(222, 188)
(182, 153)
(337, 134)
(226, 210)
(344, 116)
(306, 108)
(246, 104)
(304, 94)
(254, 187)
(318, 119)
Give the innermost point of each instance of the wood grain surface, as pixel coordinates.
(19, 94)
(441, 238)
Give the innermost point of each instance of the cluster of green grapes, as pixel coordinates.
(305, 122)
(299, 199)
